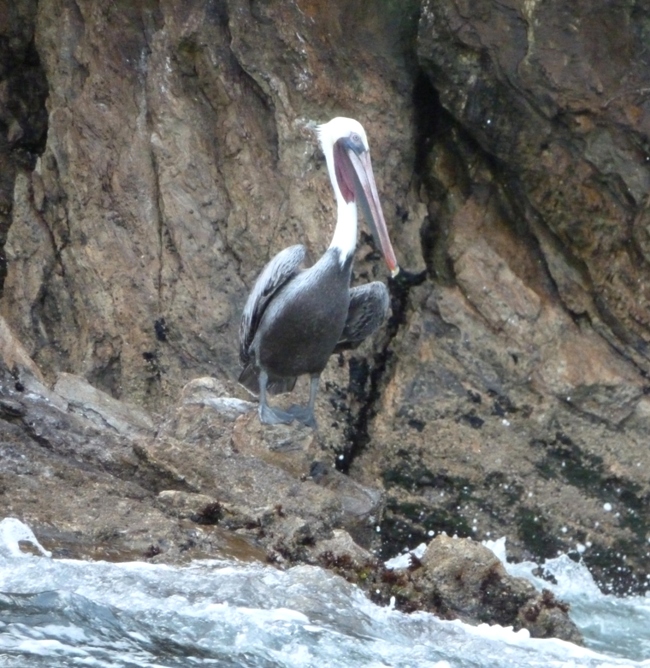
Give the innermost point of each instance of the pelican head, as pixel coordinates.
(345, 145)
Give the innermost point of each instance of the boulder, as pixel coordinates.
(462, 579)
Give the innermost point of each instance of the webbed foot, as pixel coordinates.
(304, 414)
(270, 415)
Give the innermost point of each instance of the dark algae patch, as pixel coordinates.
(534, 530)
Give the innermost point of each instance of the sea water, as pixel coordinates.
(64, 612)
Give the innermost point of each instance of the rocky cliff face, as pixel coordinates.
(154, 155)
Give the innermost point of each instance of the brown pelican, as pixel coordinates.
(295, 318)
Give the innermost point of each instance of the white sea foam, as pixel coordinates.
(61, 612)
(12, 533)
(609, 623)
(402, 561)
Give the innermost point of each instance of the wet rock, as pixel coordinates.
(484, 423)
(262, 472)
(461, 579)
(340, 551)
(216, 483)
(340, 554)
(290, 539)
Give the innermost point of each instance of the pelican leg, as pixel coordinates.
(305, 414)
(267, 414)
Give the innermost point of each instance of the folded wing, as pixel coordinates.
(368, 309)
(281, 269)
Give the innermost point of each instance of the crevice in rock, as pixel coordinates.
(23, 118)
(520, 213)
(429, 117)
(153, 372)
(250, 83)
(156, 196)
(367, 381)
(235, 81)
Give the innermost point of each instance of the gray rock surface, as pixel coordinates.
(213, 483)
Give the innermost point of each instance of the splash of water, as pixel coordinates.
(61, 612)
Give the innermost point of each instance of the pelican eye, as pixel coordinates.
(355, 143)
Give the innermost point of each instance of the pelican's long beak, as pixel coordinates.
(368, 199)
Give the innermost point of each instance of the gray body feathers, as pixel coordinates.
(294, 318)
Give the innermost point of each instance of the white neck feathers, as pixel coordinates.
(345, 233)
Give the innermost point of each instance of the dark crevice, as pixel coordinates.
(428, 117)
(437, 133)
(366, 382)
(24, 114)
(527, 222)
(436, 126)
(23, 118)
